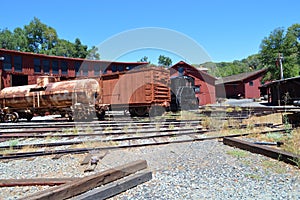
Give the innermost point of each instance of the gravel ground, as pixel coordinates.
(199, 170)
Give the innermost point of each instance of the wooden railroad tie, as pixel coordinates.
(82, 185)
(263, 150)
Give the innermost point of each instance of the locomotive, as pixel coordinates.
(141, 92)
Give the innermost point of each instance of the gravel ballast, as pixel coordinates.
(198, 170)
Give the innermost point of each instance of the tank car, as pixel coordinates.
(72, 99)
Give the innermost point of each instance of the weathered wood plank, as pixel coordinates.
(87, 183)
(34, 181)
(116, 187)
(263, 150)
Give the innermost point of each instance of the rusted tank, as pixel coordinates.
(138, 91)
(50, 96)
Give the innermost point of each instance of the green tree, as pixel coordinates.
(80, 49)
(280, 43)
(164, 60)
(93, 54)
(144, 59)
(63, 48)
(6, 39)
(20, 39)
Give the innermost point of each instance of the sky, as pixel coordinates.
(223, 30)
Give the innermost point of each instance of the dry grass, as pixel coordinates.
(275, 118)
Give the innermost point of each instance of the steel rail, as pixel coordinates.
(84, 150)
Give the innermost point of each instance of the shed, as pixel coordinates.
(282, 92)
(204, 83)
(244, 85)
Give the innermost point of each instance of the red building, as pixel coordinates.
(23, 68)
(204, 83)
(244, 85)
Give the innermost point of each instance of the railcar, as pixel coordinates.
(138, 92)
(74, 98)
(147, 91)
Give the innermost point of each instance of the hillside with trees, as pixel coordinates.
(285, 43)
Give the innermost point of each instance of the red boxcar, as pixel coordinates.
(138, 91)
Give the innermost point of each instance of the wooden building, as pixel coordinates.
(282, 92)
(204, 83)
(244, 85)
(23, 68)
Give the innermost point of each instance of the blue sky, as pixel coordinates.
(226, 30)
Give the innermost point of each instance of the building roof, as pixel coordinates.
(297, 78)
(240, 77)
(70, 58)
(198, 70)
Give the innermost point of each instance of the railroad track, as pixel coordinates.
(128, 139)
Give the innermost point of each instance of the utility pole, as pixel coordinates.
(280, 58)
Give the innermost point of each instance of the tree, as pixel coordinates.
(63, 48)
(93, 54)
(6, 39)
(41, 38)
(280, 43)
(80, 49)
(20, 39)
(144, 59)
(165, 61)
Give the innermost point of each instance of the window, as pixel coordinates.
(96, 69)
(197, 89)
(85, 69)
(7, 62)
(114, 68)
(77, 68)
(64, 67)
(251, 83)
(37, 65)
(55, 67)
(18, 63)
(120, 68)
(46, 66)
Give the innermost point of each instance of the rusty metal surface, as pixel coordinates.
(137, 87)
(47, 94)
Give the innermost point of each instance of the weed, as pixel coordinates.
(108, 129)
(273, 165)
(171, 126)
(296, 161)
(13, 143)
(238, 153)
(254, 176)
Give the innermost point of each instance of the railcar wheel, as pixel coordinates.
(14, 117)
(140, 111)
(11, 117)
(100, 115)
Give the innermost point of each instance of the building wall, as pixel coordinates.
(252, 88)
(34, 65)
